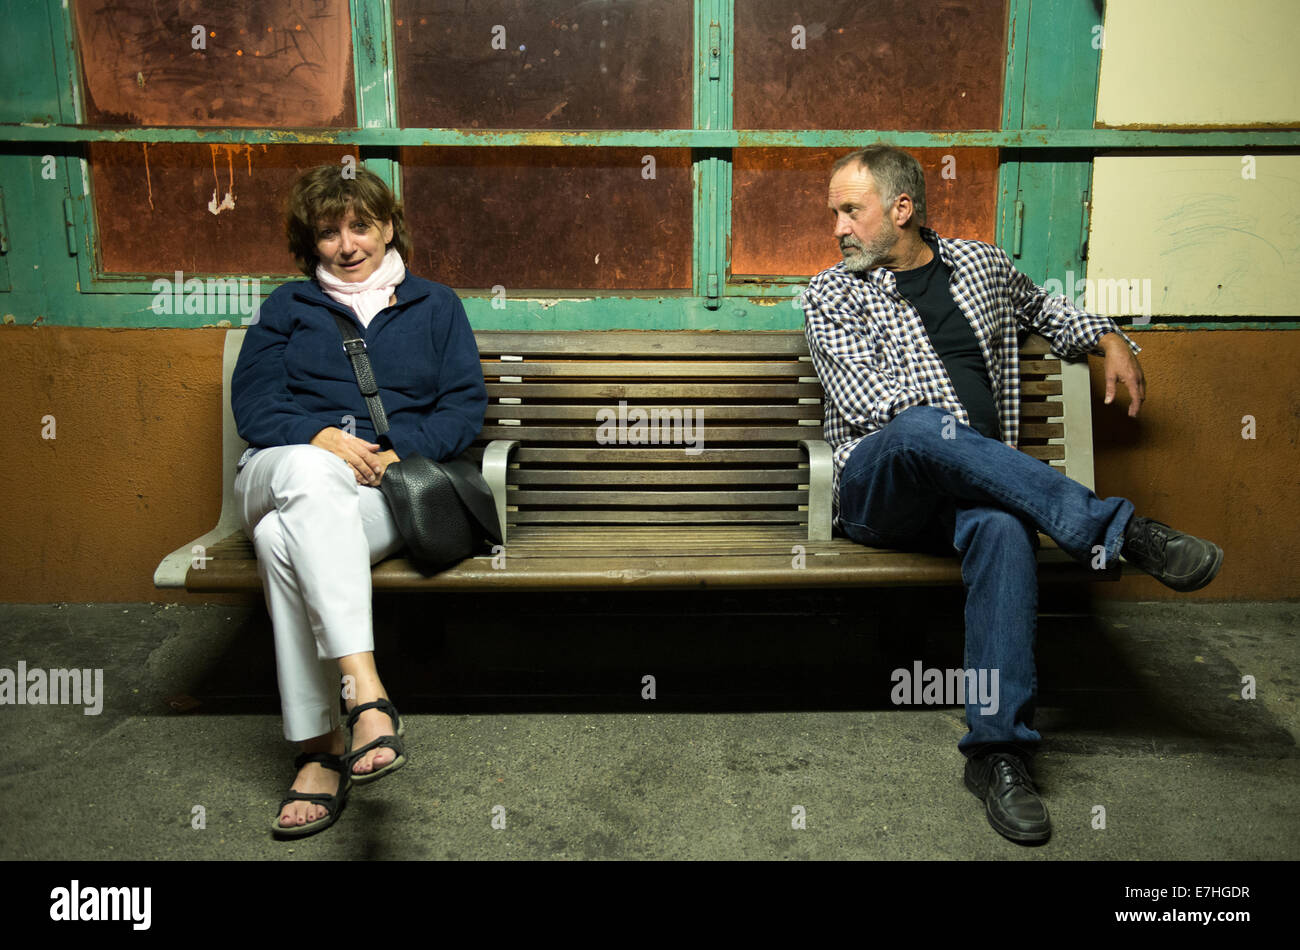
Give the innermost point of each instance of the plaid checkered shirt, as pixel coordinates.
(874, 357)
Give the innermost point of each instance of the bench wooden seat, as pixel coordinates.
(742, 501)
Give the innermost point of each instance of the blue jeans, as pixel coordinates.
(908, 487)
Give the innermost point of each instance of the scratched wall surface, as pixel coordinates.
(1200, 62)
(544, 64)
(285, 63)
(888, 64)
(550, 218)
(204, 209)
(781, 225)
(1216, 235)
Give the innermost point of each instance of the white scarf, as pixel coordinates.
(366, 297)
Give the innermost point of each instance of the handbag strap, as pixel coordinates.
(355, 347)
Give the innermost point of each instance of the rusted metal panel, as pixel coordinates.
(154, 206)
(544, 64)
(260, 62)
(546, 218)
(901, 64)
(781, 225)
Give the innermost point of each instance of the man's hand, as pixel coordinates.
(364, 458)
(1121, 365)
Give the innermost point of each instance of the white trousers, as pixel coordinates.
(316, 533)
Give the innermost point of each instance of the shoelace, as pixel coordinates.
(1012, 772)
(1152, 539)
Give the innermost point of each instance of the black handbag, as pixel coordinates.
(444, 510)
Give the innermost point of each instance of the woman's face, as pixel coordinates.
(349, 248)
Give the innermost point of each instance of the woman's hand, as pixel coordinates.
(385, 459)
(364, 458)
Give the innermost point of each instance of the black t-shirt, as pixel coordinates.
(926, 288)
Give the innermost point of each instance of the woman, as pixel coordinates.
(307, 488)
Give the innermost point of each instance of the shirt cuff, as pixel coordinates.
(1096, 343)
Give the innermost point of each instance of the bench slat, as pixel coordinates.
(587, 413)
(622, 497)
(1040, 387)
(649, 455)
(543, 540)
(663, 476)
(578, 558)
(1040, 409)
(622, 368)
(866, 568)
(635, 343)
(1041, 430)
(655, 517)
(709, 433)
(693, 390)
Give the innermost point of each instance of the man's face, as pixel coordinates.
(865, 231)
(350, 249)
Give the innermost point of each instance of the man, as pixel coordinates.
(914, 338)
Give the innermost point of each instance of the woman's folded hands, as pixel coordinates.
(367, 460)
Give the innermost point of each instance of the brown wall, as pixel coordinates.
(134, 470)
(1183, 459)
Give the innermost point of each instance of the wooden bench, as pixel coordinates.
(588, 505)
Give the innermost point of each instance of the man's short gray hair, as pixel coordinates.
(895, 172)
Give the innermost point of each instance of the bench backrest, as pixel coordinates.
(637, 427)
(728, 411)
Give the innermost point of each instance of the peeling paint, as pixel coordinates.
(227, 203)
(148, 180)
(380, 135)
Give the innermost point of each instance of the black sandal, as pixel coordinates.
(393, 742)
(333, 803)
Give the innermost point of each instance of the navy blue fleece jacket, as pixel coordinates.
(293, 378)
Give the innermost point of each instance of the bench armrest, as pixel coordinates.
(821, 473)
(171, 572)
(1076, 400)
(175, 566)
(496, 459)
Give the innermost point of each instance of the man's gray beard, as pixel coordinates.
(870, 256)
(863, 261)
(859, 263)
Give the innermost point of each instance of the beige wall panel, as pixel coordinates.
(1211, 241)
(1200, 62)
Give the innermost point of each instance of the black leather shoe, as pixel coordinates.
(1001, 780)
(1179, 561)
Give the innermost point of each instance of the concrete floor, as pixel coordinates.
(764, 702)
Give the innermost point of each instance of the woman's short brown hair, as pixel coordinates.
(325, 194)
